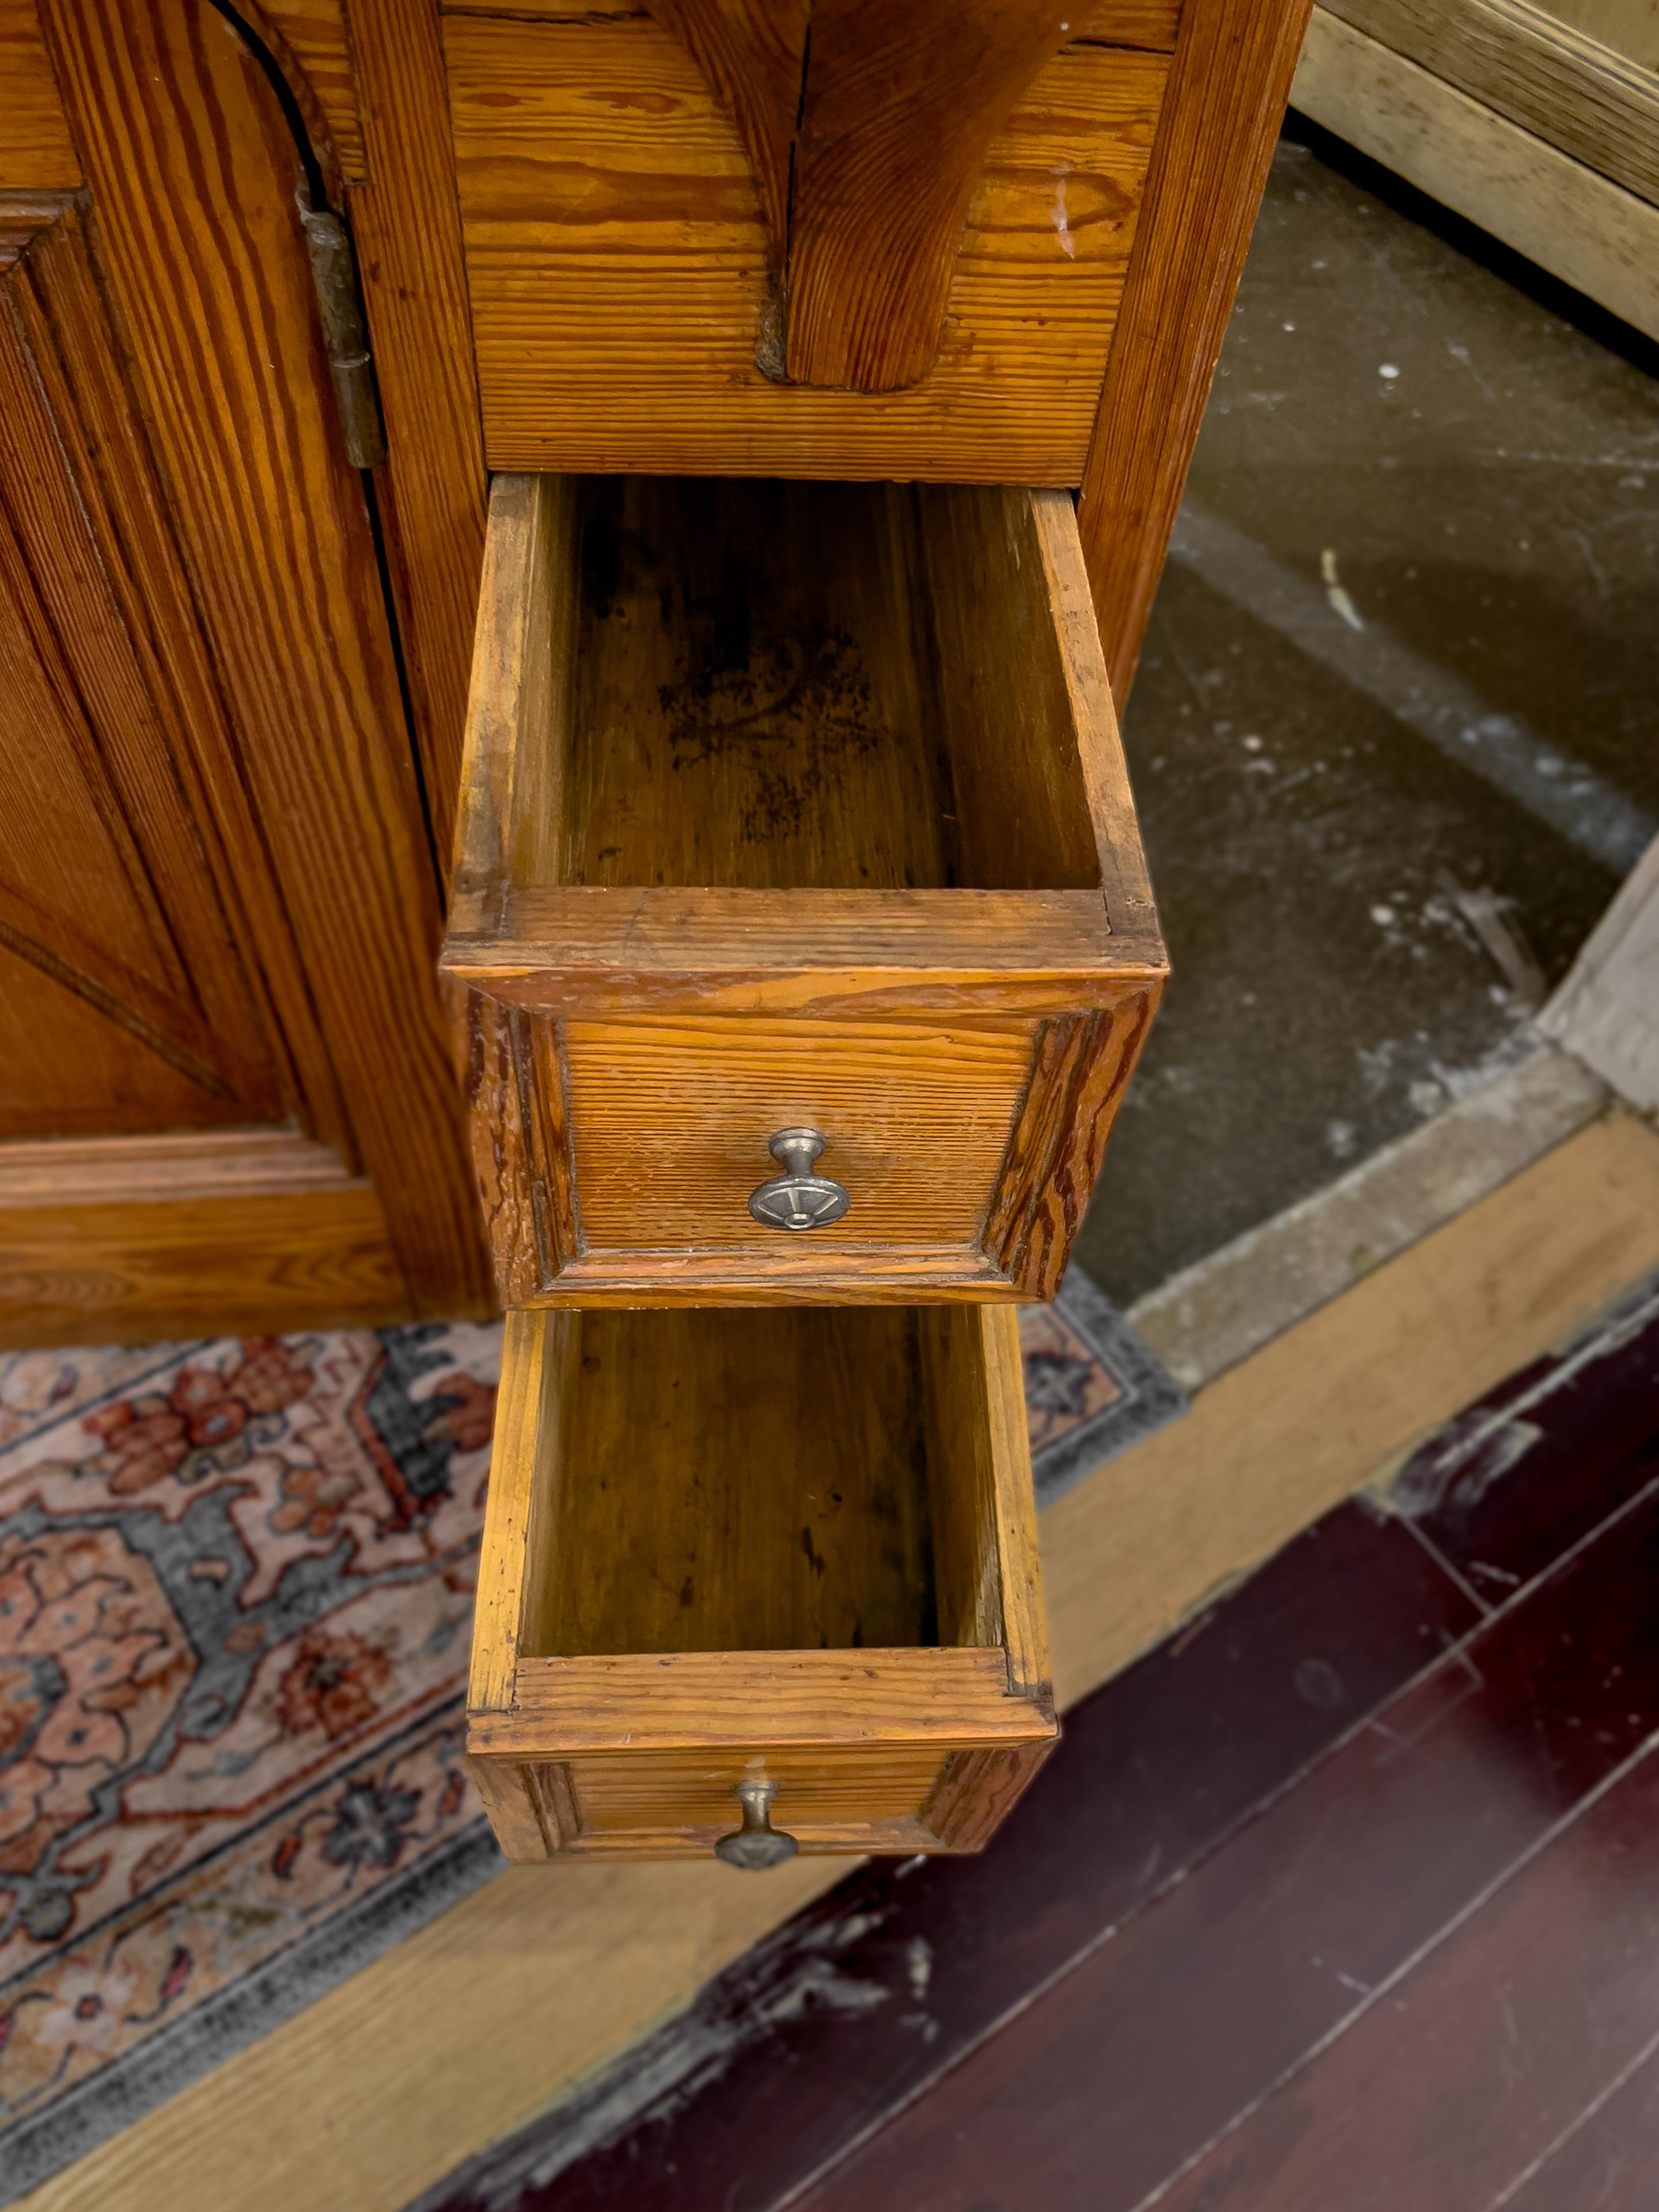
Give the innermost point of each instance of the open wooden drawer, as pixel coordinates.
(791, 1548)
(792, 807)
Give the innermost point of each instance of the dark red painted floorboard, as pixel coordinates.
(1475, 2064)
(1511, 1484)
(867, 1996)
(1161, 2037)
(1609, 2161)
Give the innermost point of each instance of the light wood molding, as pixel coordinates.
(1630, 27)
(1556, 211)
(1606, 1012)
(1524, 63)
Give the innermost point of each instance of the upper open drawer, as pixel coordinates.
(792, 807)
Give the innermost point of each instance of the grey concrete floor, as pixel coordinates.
(1407, 648)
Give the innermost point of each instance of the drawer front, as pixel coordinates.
(669, 1123)
(827, 1796)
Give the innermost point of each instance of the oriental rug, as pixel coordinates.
(235, 1601)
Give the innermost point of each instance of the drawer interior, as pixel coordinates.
(784, 1479)
(771, 685)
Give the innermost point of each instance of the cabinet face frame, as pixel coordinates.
(556, 979)
(940, 1738)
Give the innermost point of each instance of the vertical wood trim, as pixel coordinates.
(192, 172)
(529, 1350)
(407, 224)
(1024, 1623)
(962, 1478)
(1129, 903)
(1224, 103)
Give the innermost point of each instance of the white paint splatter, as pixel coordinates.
(1068, 243)
(1341, 603)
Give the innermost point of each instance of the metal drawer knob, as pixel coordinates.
(797, 1199)
(757, 1844)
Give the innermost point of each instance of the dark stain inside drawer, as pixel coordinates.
(785, 685)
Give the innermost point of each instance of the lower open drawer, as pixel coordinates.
(791, 1549)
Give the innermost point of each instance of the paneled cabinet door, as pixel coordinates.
(224, 1097)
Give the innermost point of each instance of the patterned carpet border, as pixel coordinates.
(235, 1585)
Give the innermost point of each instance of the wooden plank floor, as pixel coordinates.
(1345, 1896)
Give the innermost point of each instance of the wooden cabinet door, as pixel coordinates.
(225, 1100)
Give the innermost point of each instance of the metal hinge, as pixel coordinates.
(345, 336)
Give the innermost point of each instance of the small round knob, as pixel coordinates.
(797, 1199)
(757, 1844)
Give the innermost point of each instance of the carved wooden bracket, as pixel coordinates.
(868, 122)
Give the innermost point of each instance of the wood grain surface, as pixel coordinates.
(126, 1006)
(670, 1121)
(37, 153)
(619, 267)
(656, 1701)
(897, 113)
(133, 1271)
(1149, 23)
(708, 1514)
(192, 173)
(1228, 85)
(753, 55)
(817, 954)
(310, 42)
(151, 662)
(406, 224)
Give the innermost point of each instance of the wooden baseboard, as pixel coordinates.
(1558, 212)
(469, 2028)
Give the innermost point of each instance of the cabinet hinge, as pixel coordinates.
(345, 334)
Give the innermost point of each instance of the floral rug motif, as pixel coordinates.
(236, 1586)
